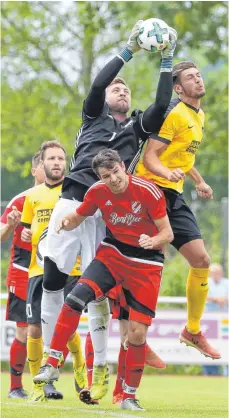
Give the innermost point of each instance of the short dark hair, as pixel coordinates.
(178, 68)
(118, 80)
(105, 158)
(50, 144)
(36, 159)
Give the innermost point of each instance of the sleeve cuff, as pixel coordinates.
(25, 225)
(125, 55)
(161, 139)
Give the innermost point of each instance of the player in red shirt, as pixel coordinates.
(17, 281)
(134, 211)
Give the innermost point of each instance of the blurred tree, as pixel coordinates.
(51, 51)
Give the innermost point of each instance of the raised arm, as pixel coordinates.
(94, 102)
(154, 115)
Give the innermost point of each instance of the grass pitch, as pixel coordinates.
(162, 396)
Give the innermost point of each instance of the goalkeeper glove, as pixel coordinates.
(132, 44)
(169, 50)
(167, 53)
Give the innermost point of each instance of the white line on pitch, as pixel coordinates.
(68, 408)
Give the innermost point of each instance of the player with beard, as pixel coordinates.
(105, 124)
(37, 210)
(167, 159)
(17, 281)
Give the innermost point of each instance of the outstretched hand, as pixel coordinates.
(132, 43)
(169, 50)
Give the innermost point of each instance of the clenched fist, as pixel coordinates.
(145, 242)
(176, 175)
(14, 217)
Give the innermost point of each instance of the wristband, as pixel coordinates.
(125, 55)
(166, 65)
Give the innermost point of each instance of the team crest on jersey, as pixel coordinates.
(136, 207)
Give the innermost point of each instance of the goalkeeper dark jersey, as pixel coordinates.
(101, 130)
(106, 132)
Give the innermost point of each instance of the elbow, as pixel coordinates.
(95, 88)
(170, 236)
(162, 105)
(2, 238)
(148, 162)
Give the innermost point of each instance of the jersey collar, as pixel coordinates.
(52, 186)
(191, 107)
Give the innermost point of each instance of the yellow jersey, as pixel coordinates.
(182, 130)
(37, 210)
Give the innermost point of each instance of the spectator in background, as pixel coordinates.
(217, 301)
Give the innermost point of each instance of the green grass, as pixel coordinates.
(162, 396)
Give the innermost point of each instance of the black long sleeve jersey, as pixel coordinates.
(101, 130)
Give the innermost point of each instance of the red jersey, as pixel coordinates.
(129, 214)
(20, 251)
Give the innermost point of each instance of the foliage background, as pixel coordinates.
(51, 52)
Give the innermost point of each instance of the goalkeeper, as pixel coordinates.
(105, 124)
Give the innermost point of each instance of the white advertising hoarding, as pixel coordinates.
(163, 337)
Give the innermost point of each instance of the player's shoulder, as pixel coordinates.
(174, 107)
(136, 113)
(105, 112)
(201, 113)
(35, 190)
(96, 187)
(146, 187)
(19, 198)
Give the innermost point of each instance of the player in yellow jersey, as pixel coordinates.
(167, 158)
(39, 204)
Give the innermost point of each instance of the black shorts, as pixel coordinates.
(16, 309)
(33, 302)
(123, 313)
(182, 220)
(35, 289)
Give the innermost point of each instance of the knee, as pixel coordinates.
(137, 333)
(203, 261)
(80, 296)
(34, 331)
(21, 334)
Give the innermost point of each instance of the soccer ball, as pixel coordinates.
(153, 35)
